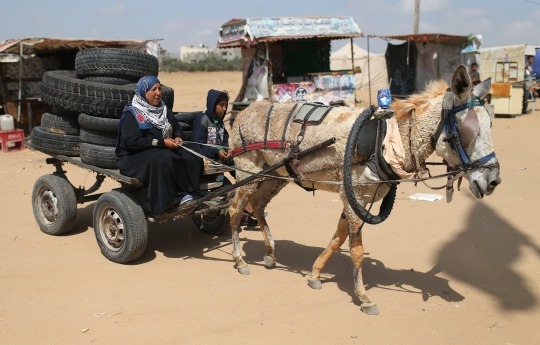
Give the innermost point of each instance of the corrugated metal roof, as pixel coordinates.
(36, 45)
(244, 32)
(427, 38)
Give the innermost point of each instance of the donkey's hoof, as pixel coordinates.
(244, 270)
(314, 284)
(269, 262)
(370, 309)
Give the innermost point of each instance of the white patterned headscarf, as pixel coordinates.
(157, 116)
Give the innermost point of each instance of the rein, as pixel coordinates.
(357, 183)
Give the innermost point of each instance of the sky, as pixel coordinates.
(180, 22)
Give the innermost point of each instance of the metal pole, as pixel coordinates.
(416, 15)
(352, 66)
(352, 55)
(438, 57)
(270, 76)
(369, 70)
(20, 83)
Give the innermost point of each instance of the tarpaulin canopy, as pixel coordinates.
(245, 32)
(44, 45)
(341, 60)
(426, 57)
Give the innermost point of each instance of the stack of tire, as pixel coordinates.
(58, 133)
(185, 120)
(103, 82)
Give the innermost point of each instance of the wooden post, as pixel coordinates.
(416, 15)
(20, 83)
(4, 92)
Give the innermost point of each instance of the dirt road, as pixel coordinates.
(467, 272)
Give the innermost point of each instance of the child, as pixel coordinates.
(208, 128)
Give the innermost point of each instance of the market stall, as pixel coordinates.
(506, 66)
(288, 59)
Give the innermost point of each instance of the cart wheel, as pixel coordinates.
(54, 204)
(213, 224)
(120, 227)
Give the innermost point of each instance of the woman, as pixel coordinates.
(148, 148)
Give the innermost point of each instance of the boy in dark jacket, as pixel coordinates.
(208, 128)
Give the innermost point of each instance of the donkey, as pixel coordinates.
(417, 117)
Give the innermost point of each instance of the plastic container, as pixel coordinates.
(7, 123)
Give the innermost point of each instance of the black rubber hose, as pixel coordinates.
(359, 210)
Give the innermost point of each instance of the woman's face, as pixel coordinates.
(154, 95)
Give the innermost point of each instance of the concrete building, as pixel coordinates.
(193, 54)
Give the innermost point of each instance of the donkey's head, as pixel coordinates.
(466, 139)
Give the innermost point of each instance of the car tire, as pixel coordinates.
(111, 80)
(54, 204)
(100, 156)
(89, 136)
(187, 117)
(62, 88)
(60, 124)
(120, 227)
(100, 124)
(54, 143)
(114, 62)
(56, 110)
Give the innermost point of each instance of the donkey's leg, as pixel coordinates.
(357, 255)
(259, 200)
(236, 211)
(340, 235)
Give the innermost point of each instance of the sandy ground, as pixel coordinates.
(467, 272)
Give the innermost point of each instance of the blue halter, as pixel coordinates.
(452, 133)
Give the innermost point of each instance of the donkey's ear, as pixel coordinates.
(482, 89)
(461, 83)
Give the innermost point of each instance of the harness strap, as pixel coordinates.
(242, 138)
(267, 124)
(286, 127)
(292, 174)
(304, 124)
(448, 103)
(271, 144)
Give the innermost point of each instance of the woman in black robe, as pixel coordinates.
(148, 149)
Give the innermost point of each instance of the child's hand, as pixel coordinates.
(223, 154)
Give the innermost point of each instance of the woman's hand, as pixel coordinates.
(179, 141)
(171, 144)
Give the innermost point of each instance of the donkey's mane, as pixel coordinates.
(416, 102)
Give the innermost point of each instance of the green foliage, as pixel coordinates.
(208, 65)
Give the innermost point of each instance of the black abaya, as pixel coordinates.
(168, 175)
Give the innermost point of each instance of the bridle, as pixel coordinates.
(460, 135)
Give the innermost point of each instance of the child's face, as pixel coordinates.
(221, 108)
